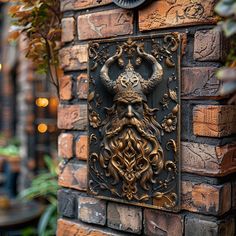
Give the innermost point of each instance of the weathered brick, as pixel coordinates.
(81, 148)
(72, 117)
(234, 195)
(65, 145)
(206, 198)
(67, 204)
(199, 82)
(74, 58)
(209, 45)
(214, 120)
(67, 5)
(209, 227)
(162, 223)
(105, 24)
(66, 88)
(124, 217)
(162, 14)
(82, 86)
(73, 175)
(91, 210)
(68, 29)
(68, 228)
(208, 160)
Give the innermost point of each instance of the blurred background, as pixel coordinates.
(28, 131)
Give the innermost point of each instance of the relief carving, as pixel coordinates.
(162, 13)
(128, 160)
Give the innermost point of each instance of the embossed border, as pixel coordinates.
(176, 208)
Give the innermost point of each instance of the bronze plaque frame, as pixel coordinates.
(126, 164)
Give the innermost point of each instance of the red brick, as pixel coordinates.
(66, 88)
(74, 58)
(162, 223)
(199, 82)
(105, 24)
(206, 198)
(72, 117)
(82, 86)
(124, 217)
(162, 14)
(69, 228)
(67, 5)
(214, 120)
(81, 148)
(209, 45)
(208, 160)
(65, 145)
(68, 29)
(91, 210)
(73, 175)
(209, 227)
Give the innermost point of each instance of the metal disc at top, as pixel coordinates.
(128, 4)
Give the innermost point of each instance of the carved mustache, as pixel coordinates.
(118, 125)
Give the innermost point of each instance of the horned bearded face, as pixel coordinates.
(130, 150)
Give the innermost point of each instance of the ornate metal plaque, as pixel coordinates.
(134, 121)
(129, 4)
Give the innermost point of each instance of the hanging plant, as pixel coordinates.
(40, 21)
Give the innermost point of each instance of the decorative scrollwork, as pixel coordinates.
(98, 57)
(165, 50)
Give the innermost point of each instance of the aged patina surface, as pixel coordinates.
(134, 154)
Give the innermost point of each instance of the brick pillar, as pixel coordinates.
(208, 123)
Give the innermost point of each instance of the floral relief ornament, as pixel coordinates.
(94, 119)
(169, 123)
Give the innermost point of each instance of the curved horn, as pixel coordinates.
(108, 83)
(151, 83)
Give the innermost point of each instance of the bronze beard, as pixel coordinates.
(130, 151)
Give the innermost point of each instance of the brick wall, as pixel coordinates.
(208, 124)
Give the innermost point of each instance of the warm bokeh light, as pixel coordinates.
(0, 66)
(42, 128)
(42, 102)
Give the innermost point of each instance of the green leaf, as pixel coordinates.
(45, 218)
(228, 88)
(226, 8)
(229, 27)
(50, 165)
(226, 74)
(29, 231)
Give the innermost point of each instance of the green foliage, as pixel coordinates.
(29, 231)
(40, 21)
(11, 148)
(45, 186)
(227, 10)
